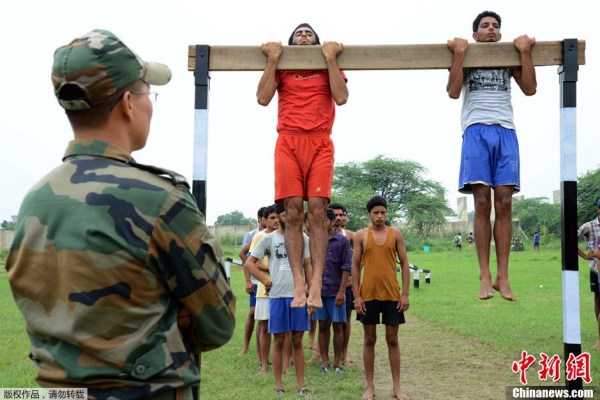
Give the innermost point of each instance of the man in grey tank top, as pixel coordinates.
(490, 151)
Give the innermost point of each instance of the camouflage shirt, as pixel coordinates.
(106, 252)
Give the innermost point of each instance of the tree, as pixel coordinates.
(7, 225)
(536, 214)
(402, 183)
(234, 218)
(588, 193)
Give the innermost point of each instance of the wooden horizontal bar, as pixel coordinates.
(383, 57)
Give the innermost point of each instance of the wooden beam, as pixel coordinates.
(383, 57)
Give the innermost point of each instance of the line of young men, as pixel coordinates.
(377, 248)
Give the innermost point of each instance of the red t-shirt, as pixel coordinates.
(305, 101)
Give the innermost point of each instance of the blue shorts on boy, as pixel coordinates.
(253, 296)
(330, 312)
(490, 156)
(284, 318)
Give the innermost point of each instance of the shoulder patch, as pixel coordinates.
(175, 178)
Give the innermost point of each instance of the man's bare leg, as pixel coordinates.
(298, 352)
(287, 352)
(265, 345)
(294, 246)
(369, 359)
(483, 234)
(347, 330)
(311, 335)
(278, 349)
(502, 237)
(338, 342)
(391, 338)
(324, 335)
(318, 247)
(248, 328)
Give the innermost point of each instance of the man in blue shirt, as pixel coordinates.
(338, 265)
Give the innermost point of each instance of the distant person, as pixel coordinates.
(251, 284)
(283, 319)
(378, 247)
(490, 152)
(304, 153)
(536, 241)
(333, 294)
(458, 241)
(590, 231)
(112, 265)
(470, 238)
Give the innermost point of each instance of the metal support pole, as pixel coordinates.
(201, 82)
(568, 209)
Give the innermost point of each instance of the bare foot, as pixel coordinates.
(243, 351)
(485, 289)
(505, 290)
(299, 299)
(400, 395)
(314, 298)
(369, 394)
(597, 345)
(312, 346)
(347, 361)
(315, 357)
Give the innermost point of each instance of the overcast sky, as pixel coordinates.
(400, 114)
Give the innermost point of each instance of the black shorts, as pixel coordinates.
(594, 287)
(389, 314)
(349, 302)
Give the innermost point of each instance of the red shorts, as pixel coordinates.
(303, 165)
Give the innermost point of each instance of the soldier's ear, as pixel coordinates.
(126, 105)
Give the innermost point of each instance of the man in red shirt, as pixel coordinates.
(304, 153)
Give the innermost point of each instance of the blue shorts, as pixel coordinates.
(283, 318)
(330, 312)
(490, 156)
(253, 296)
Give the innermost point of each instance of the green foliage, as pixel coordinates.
(588, 193)
(537, 215)
(7, 225)
(234, 218)
(424, 215)
(402, 183)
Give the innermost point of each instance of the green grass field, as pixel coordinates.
(448, 305)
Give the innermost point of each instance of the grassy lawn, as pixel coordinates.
(446, 307)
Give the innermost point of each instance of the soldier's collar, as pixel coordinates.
(91, 147)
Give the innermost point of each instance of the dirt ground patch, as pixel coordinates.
(436, 363)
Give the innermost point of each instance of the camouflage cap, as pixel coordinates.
(97, 65)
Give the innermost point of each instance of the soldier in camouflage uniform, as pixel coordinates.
(112, 266)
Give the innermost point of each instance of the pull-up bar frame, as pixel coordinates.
(567, 54)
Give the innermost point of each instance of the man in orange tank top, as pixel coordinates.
(378, 246)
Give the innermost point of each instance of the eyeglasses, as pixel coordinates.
(153, 96)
